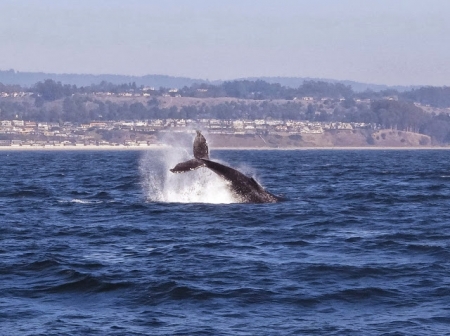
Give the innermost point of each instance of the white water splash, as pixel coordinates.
(198, 186)
(80, 201)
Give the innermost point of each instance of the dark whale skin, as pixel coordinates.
(244, 188)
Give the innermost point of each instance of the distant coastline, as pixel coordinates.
(382, 139)
(162, 147)
(81, 148)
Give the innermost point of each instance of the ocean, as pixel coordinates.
(112, 243)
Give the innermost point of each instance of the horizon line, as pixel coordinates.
(219, 80)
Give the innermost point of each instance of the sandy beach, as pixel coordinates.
(160, 147)
(78, 148)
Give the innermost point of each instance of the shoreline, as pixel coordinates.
(334, 148)
(160, 147)
(80, 148)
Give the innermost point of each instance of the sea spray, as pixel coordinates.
(198, 186)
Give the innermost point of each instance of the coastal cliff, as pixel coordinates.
(336, 138)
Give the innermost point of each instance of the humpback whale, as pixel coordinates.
(244, 188)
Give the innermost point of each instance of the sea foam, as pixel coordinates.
(198, 186)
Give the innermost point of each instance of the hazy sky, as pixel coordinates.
(374, 41)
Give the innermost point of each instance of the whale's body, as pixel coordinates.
(244, 188)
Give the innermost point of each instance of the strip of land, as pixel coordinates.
(337, 139)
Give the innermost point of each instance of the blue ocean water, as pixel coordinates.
(111, 243)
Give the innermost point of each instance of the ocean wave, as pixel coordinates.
(81, 201)
(41, 265)
(84, 201)
(356, 295)
(26, 193)
(86, 284)
(172, 290)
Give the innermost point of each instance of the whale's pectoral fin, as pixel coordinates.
(200, 147)
(186, 166)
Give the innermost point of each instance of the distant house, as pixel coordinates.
(238, 124)
(42, 126)
(98, 124)
(28, 130)
(18, 123)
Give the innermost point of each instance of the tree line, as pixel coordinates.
(50, 90)
(55, 102)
